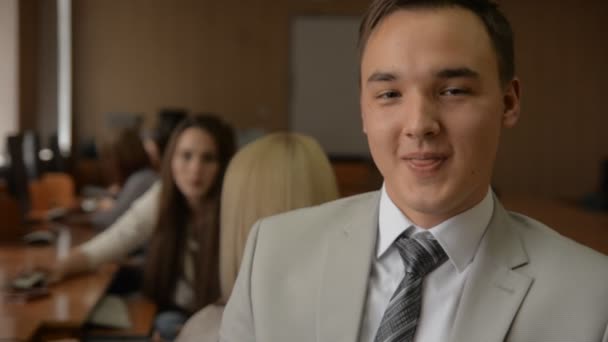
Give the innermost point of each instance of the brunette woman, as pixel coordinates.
(181, 272)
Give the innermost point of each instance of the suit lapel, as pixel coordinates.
(494, 290)
(343, 291)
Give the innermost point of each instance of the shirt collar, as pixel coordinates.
(459, 236)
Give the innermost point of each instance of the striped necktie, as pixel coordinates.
(421, 254)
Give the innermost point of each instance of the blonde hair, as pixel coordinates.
(274, 174)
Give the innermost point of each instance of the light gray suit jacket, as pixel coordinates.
(304, 278)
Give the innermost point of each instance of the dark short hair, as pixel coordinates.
(494, 20)
(129, 154)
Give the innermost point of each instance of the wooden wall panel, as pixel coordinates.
(227, 56)
(231, 57)
(28, 62)
(561, 59)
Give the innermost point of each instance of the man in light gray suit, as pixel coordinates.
(432, 256)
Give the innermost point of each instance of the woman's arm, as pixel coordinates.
(131, 230)
(134, 227)
(75, 263)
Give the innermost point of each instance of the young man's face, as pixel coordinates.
(433, 108)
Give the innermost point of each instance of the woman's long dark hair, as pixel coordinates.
(165, 258)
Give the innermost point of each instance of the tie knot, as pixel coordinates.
(421, 253)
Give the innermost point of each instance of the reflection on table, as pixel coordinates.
(69, 303)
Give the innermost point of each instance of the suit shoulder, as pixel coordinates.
(567, 277)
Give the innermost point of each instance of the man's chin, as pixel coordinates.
(424, 199)
(431, 191)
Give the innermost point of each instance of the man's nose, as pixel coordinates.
(420, 119)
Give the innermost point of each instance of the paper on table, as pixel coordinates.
(111, 312)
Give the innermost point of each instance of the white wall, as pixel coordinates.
(324, 99)
(9, 69)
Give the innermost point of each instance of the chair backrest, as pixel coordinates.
(62, 187)
(59, 162)
(11, 224)
(17, 180)
(52, 190)
(30, 149)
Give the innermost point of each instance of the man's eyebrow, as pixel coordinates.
(457, 73)
(380, 76)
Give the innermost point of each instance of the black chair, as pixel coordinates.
(30, 149)
(598, 201)
(58, 163)
(17, 175)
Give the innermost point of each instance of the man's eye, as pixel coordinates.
(389, 95)
(455, 91)
(186, 155)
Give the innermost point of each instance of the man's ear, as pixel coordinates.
(511, 102)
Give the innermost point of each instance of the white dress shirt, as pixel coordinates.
(442, 288)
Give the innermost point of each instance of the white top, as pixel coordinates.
(132, 230)
(442, 288)
(204, 326)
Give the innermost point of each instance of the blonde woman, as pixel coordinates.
(274, 174)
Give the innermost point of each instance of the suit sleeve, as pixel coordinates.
(605, 339)
(237, 321)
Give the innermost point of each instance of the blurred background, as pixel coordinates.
(73, 72)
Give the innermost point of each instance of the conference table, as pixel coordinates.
(64, 312)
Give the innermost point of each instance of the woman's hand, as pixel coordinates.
(58, 270)
(52, 270)
(105, 204)
(113, 189)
